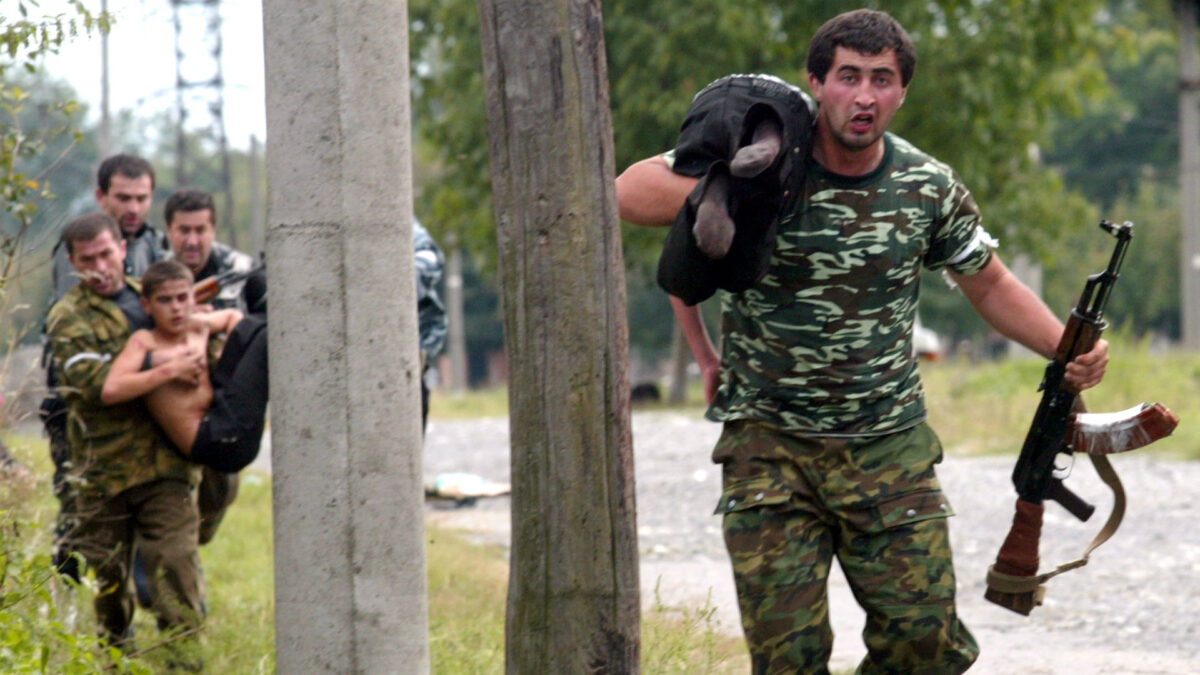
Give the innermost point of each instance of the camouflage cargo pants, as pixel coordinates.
(162, 518)
(791, 504)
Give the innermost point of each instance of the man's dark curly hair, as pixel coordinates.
(865, 31)
(130, 166)
(189, 200)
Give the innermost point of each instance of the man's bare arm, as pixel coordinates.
(696, 334)
(126, 380)
(221, 320)
(650, 193)
(1018, 313)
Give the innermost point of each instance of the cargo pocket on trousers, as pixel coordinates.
(750, 494)
(897, 510)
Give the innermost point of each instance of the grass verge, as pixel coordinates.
(467, 586)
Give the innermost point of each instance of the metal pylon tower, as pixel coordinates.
(200, 96)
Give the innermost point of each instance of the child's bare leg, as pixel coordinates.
(753, 159)
(714, 228)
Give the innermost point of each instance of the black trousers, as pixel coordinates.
(231, 431)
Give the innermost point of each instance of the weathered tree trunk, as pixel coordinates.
(573, 587)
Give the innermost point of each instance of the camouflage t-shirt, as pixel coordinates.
(823, 344)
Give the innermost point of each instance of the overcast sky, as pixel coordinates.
(142, 61)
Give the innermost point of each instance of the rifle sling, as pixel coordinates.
(1007, 583)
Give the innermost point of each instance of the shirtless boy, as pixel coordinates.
(216, 421)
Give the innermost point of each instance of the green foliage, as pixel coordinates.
(40, 631)
(23, 42)
(42, 614)
(1131, 137)
(32, 132)
(1146, 300)
(991, 77)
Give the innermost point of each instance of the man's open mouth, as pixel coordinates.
(862, 122)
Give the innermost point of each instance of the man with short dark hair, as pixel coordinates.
(131, 490)
(826, 451)
(191, 223)
(125, 191)
(191, 227)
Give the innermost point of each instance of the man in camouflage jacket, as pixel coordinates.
(431, 313)
(131, 489)
(125, 191)
(825, 449)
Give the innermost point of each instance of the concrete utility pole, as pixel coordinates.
(1189, 173)
(258, 210)
(573, 585)
(350, 585)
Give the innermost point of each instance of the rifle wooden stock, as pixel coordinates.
(204, 291)
(1012, 580)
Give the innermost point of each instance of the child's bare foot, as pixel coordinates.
(714, 228)
(753, 159)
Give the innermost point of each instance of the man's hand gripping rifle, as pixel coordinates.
(1060, 427)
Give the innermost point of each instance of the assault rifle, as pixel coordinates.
(1060, 427)
(207, 289)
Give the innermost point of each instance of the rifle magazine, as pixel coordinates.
(1108, 433)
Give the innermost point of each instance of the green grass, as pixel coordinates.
(467, 586)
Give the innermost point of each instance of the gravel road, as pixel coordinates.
(1135, 608)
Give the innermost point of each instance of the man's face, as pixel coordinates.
(128, 200)
(859, 97)
(100, 262)
(170, 305)
(191, 234)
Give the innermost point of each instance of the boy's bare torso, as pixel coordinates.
(177, 406)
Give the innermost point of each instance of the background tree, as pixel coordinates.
(38, 129)
(991, 79)
(573, 588)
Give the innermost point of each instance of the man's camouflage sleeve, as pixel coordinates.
(428, 262)
(81, 355)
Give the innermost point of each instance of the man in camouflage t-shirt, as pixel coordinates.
(825, 450)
